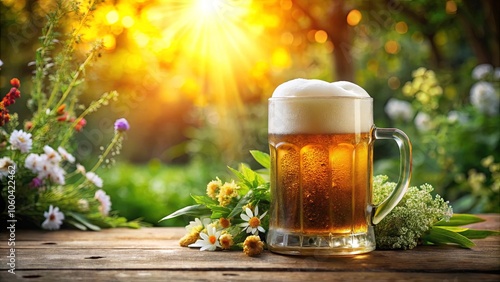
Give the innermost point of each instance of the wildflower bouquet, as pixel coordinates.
(233, 215)
(42, 184)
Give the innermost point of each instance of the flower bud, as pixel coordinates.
(60, 109)
(15, 82)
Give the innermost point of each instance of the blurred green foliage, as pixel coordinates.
(151, 190)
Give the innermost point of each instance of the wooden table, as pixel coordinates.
(153, 254)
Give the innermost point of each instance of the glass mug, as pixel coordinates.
(321, 175)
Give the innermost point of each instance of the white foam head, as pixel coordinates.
(314, 106)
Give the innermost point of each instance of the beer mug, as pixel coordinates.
(321, 145)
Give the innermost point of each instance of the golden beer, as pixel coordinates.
(320, 141)
(320, 182)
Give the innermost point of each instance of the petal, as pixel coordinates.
(261, 229)
(244, 224)
(256, 210)
(197, 244)
(204, 236)
(245, 217)
(249, 212)
(210, 230)
(264, 214)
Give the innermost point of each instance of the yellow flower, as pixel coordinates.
(226, 241)
(227, 192)
(213, 187)
(253, 246)
(486, 162)
(419, 72)
(224, 222)
(249, 205)
(189, 239)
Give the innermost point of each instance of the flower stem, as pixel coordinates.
(113, 142)
(66, 55)
(73, 81)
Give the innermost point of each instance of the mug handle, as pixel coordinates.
(381, 210)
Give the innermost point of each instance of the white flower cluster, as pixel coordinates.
(399, 110)
(47, 165)
(20, 140)
(483, 95)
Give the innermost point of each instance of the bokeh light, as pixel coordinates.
(354, 17)
(451, 7)
(391, 47)
(401, 27)
(320, 36)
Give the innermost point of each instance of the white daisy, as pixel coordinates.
(252, 224)
(209, 241)
(53, 218)
(198, 224)
(105, 201)
(5, 163)
(32, 162)
(56, 175)
(52, 155)
(94, 178)
(65, 155)
(21, 141)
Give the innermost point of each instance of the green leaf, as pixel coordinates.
(456, 229)
(76, 224)
(237, 173)
(439, 235)
(248, 178)
(218, 212)
(262, 158)
(194, 210)
(204, 200)
(239, 207)
(478, 234)
(459, 219)
(81, 219)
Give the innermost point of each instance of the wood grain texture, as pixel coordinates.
(153, 254)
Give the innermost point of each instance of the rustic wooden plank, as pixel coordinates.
(91, 244)
(157, 233)
(424, 258)
(112, 234)
(113, 253)
(167, 275)
(160, 233)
